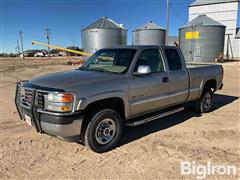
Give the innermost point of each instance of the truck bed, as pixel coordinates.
(198, 73)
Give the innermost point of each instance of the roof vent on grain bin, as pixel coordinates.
(202, 40)
(103, 33)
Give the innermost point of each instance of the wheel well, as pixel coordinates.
(111, 103)
(212, 84)
(115, 103)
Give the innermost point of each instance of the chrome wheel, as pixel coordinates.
(207, 101)
(105, 131)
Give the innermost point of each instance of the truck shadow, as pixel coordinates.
(133, 133)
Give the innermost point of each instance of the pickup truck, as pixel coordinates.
(127, 85)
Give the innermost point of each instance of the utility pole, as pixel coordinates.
(48, 33)
(229, 46)
(21, 39)
(18, 48)
(167, 22)
(73, 41)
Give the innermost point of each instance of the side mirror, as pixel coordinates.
(143, 70)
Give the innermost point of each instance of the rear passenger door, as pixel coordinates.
(178, 74)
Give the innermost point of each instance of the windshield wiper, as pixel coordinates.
(96, 69)
(82, 68)
(89, 69)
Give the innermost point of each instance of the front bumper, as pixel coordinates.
(61, 125)
(67, 127)
(69, 132)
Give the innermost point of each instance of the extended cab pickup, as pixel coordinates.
(119, 86)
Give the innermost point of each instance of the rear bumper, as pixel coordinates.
(61, 125)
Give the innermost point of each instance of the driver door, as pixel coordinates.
(149, 92)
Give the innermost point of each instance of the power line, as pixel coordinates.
(9, 32)
(36, 36)
(177, 15)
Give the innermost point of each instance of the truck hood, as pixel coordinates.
(70, 79)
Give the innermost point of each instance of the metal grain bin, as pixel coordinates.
(149, 34)
(202, 39)
(103, 33)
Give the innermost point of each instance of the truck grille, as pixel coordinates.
(26, 97)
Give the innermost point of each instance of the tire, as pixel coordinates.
(204, 104)
(103, 131)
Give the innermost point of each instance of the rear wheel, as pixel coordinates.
(104, 130)
(204, 104)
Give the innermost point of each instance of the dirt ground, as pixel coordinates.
(150, 151)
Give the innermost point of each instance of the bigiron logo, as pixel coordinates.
(202, 171)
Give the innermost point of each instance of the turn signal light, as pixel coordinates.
(66, 98)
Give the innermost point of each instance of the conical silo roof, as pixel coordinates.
(149, 25)
(202, 20)
(104, 23)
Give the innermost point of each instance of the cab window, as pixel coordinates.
(173, 59)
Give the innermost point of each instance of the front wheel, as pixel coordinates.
(104, 130)
(204, 104)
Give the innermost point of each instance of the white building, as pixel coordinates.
(225, 12)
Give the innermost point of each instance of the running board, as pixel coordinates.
(152, 118)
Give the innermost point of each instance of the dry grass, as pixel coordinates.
(150, 151)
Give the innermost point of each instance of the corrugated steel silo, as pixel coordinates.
(103, 33)
(149, 34)
(202, 39)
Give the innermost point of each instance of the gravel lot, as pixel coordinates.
(153, 150)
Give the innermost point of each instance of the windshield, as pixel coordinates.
(110, 60)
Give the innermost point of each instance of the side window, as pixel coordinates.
(173, 59)
(151, 58)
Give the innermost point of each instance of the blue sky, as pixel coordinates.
(66, 18)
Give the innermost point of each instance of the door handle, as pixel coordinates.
(165, 79)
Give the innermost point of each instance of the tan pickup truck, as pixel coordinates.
(119, 86)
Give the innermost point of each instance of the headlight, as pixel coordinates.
(59, 102)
